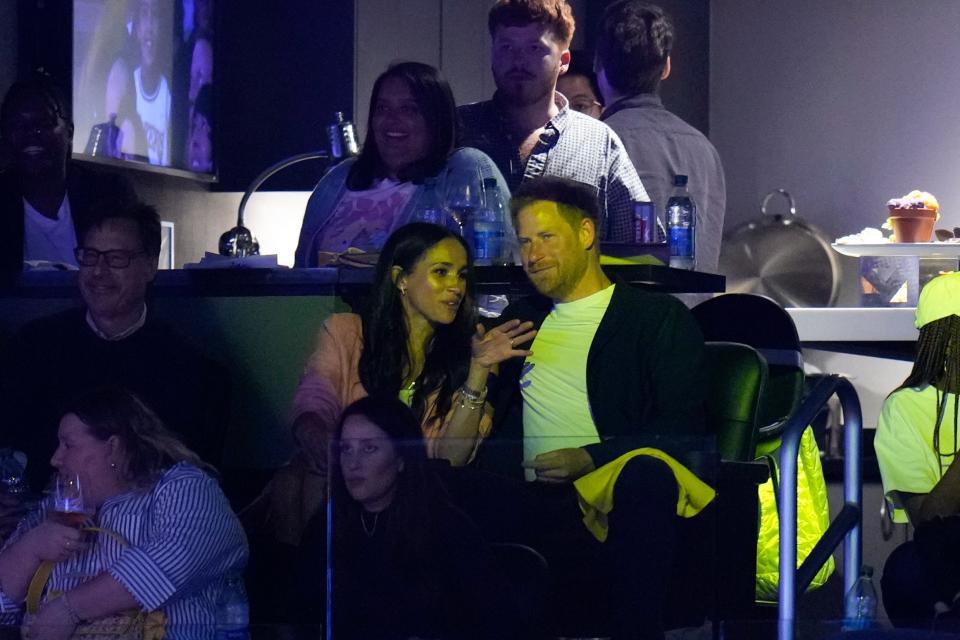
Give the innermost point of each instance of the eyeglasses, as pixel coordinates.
(587, 106)
(116, 258)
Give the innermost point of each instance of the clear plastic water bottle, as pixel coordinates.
(488, 227)
(860, 603)
(682, 224)
(233, 611)
(429, 209)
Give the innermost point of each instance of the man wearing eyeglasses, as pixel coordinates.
(112, 340)
(118, 260)
(579, 85)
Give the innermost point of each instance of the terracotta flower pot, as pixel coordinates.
(912, 225)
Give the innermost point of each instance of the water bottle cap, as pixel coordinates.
(679, 180)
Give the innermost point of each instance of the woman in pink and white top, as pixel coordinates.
(410, 138)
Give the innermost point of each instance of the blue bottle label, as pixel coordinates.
(681, 242)
(486, 244)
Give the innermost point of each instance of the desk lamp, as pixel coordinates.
(342, 144)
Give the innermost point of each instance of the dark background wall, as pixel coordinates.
(44, 39)
(283, 69)
(832, 102)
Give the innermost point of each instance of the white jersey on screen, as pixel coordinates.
(154, 111)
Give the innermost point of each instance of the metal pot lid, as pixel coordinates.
(782, 257)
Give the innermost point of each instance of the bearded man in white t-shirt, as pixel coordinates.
(614, 368)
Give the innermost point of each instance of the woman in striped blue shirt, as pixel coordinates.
(142, 483)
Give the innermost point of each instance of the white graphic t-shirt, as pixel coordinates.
(364, 219)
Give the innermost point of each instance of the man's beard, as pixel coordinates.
(525, 92)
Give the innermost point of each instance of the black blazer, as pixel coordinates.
(85, 186)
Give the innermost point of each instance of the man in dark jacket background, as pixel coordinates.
(46, 200)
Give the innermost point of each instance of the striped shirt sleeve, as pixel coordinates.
(193, 538)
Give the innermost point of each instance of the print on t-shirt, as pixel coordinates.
(364, 219)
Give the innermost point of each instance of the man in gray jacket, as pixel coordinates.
(633, 57)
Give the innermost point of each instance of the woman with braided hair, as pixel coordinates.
(916, 447)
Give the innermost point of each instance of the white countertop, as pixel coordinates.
(854, 324)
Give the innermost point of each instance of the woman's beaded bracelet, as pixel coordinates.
(472, 393)
(471, 399)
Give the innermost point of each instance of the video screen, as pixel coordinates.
(143, 82)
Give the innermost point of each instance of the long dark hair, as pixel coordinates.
(435, 99)
(149, 447)
(385, 360)
(417, 489)
(938, 364)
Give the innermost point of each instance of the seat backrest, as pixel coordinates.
(526, 585)
(738, 375)
(763, 324)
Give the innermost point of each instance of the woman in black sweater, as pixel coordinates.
(405, 562)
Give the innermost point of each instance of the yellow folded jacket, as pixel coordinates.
(638, 259)
(596, 490)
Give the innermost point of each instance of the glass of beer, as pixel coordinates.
(68, 506)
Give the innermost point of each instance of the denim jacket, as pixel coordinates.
(326, 195)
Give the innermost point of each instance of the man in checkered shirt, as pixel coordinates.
(529, 129)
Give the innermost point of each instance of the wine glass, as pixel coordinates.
(463, 197)
(68, 505)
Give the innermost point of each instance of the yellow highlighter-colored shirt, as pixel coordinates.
(556, 409)
(904, 444)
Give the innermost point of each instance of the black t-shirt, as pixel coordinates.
(382, 592)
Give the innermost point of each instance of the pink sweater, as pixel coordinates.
(331, 382)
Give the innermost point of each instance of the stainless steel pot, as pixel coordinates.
(781, 256)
